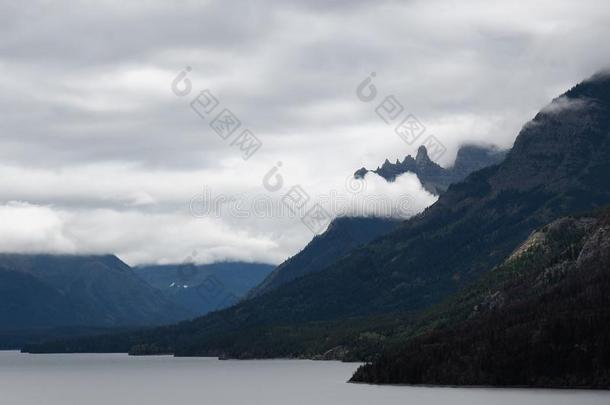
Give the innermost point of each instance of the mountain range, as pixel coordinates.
(60, 295)
(345, 234)
(496, 237)
(48, 296)
(200, 289)
(78, 290)
(187, 290)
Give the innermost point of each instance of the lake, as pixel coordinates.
(105, 379)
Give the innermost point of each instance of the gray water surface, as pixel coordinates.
(105, 379)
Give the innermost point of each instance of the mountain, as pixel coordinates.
(542, 318)
(343, 235)
(204, 288)
(433, 177)
(347, 233)
(40, 293)
(559, 165)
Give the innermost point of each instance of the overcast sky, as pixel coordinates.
(100, 155)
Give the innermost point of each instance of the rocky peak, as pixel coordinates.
(422, 155)
(433, 177)
(471, 158)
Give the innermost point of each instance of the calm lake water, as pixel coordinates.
(104, 379)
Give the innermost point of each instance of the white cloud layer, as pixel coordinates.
(163, 218)
(98, 155)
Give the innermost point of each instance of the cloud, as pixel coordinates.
(134, 236)
(563, 103)
(29, 228)
(162, 217)
(93, 136)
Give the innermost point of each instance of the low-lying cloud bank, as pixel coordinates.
(145, 220)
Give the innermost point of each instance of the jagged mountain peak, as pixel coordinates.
(422, 154)
(433, 177)
(408, 160)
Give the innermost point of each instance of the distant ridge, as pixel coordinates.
(202, 288)
(40, 291)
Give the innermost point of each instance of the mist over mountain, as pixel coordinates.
(434, 177)
(347, 233)
(559, 165)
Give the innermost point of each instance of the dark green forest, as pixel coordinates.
(540, 319)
